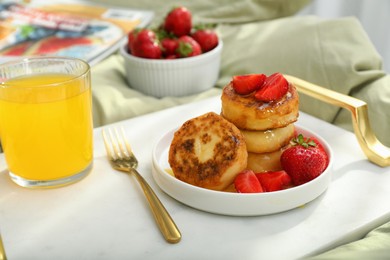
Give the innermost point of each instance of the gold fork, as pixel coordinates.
(122, 159)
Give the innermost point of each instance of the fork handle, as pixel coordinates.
(165, 222)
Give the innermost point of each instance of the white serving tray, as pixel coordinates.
(106, 216)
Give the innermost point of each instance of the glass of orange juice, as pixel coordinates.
(46, 120)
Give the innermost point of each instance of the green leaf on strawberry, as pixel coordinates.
(188, 47)
(301, 140)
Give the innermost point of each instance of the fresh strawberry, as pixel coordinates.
(131, 38)
(148, 51)
(321, 147)
(246, 84)
(169, 46)
(304, 160)
(274, 87)
(145, 35)
(188, 47)
(171, 57)
(247, 182)
(178, 21)
(274, 181)
(144, 44)
(206, 38)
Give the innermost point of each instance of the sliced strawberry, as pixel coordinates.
(246, 84)
(178, 21)
(247, 182)
(274, 181)
(274, 88)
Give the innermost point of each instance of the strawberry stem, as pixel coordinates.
(205, 26)
(184, 49)
(301, 140)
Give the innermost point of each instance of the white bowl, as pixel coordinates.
(237, 204)
(176, 77)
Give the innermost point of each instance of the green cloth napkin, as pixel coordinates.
(374, 245)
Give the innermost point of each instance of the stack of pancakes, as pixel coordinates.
(267, 127)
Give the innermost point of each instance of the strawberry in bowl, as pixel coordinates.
(206, 37)
(175, 38)
(144, 44)
(169, 61)
(178, 21)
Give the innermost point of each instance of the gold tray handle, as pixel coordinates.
(2, 251)
(375, 151)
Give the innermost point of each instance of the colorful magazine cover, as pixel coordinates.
(83, 31)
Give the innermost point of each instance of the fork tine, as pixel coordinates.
(106, 144)
(120, 140)
(114, 152)
(115, 144)
(128, 147)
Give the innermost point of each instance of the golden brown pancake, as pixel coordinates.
(263, 162)
(208, 151)
(246, 112)
(268, 140)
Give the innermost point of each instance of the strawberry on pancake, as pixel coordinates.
(248, 112)
(264, 109)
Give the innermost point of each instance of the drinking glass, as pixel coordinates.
(46, 120)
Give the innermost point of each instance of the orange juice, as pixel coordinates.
(46, 125)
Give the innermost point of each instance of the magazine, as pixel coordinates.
(84, 31)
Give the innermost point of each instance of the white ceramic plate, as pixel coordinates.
(237, 204)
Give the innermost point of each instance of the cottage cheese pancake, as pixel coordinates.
(269, 140)
(263, 162)
(208, 151)
(247, 112)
